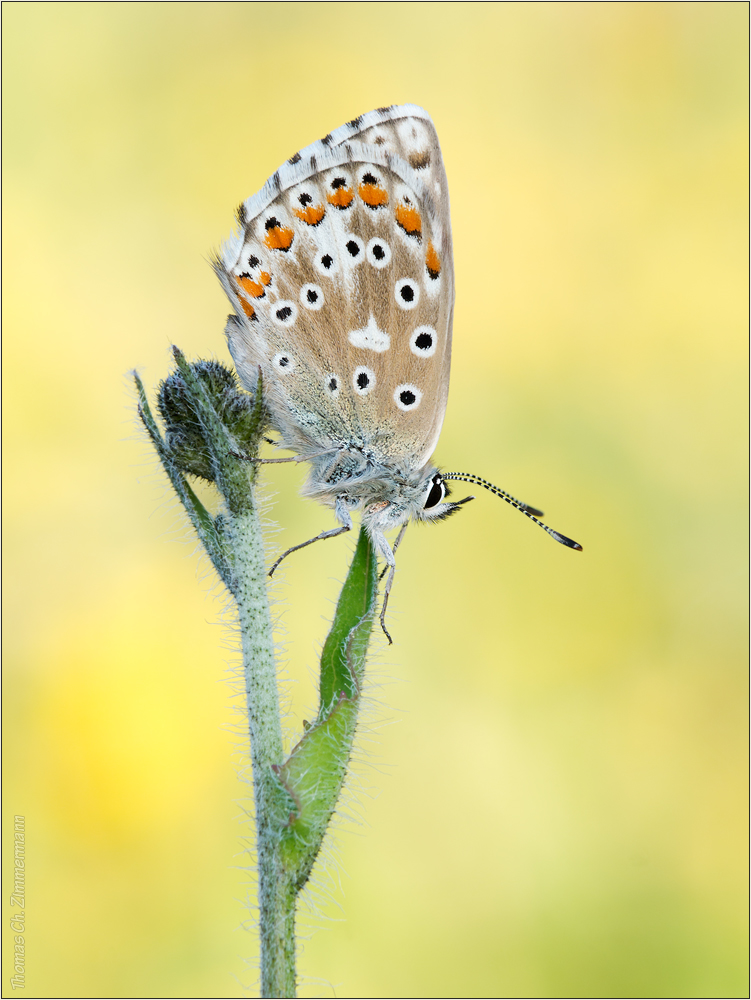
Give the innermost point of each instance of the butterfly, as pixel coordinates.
(342, 281)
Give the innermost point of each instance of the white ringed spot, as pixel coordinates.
(355, 249)
(284, 312)
(311, 296)
(407, 293)
(407, 396)
(325, 262)
(363, 380)
(423, 342)
(284, 362)
(378, 252)
(332, 385)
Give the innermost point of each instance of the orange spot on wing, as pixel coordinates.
(265, 278)
(432, 262)
(247, 309)
(250, 287)
(341, 198)
(312, 214)
(409, 219)
(373, 196)
(279, 238)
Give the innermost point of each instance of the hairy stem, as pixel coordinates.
(211, 430)
(276, 893)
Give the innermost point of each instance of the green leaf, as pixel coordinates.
(314, 772)
(343, 657)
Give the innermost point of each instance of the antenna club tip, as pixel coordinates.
(568, 542)
(533, 510)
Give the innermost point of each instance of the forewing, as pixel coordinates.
(342, 277)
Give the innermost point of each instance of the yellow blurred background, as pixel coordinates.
(552, 782)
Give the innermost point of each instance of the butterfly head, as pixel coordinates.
(435, 506)
(422, 498)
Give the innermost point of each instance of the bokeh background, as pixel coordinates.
(552, 781)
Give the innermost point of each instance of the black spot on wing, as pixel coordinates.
(294, 159)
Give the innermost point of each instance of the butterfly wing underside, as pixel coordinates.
(342, 280)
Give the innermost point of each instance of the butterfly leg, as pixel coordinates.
(341, 512)
(277, 461)
(396, 545)
(387, 552)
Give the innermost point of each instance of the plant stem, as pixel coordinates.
(213, 432)
(276, 893)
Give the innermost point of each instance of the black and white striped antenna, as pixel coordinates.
(531, 512)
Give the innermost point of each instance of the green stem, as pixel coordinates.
(277, 899)
(276, 893)
(212, 431)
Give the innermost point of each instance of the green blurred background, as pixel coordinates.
(552, 783)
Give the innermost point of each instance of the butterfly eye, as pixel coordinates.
(378, 252)
(407, 293)
(436, 494)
